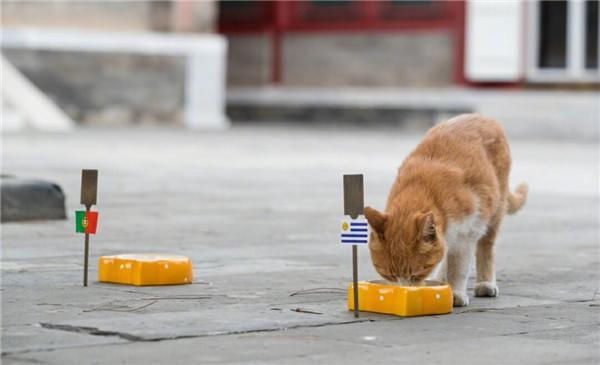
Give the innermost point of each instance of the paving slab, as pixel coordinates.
(493, 337)
(255, 209)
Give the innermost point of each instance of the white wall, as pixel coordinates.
(494, 41)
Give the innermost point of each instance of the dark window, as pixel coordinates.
(330, 11)
(410, 10)
(591, 34)
(245, 14)
(553, 34)
(336, 15)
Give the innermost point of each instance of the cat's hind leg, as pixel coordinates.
(486, 273)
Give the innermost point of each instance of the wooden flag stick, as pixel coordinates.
(89, 188)
(86, 253)
(353, 206)
(355, 278)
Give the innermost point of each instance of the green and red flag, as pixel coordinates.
(86, 222)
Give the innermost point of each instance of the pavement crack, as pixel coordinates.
(259, 330)
(182, 297)
(118, 308)
(478, 310)
(580, 300)
(319, 291)
(94, 331)
(302, 310)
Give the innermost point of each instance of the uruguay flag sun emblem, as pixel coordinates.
(354, 231)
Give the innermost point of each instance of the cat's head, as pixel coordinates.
(404, 248)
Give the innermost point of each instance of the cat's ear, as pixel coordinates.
(426, 224)
(375, 218)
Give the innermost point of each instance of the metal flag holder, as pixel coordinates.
(89, 188)
(353, 207)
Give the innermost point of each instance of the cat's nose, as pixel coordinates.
(417, 282)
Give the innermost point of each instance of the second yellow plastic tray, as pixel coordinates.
(405, 301)
(145, 269)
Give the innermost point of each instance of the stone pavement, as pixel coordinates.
(257, 208)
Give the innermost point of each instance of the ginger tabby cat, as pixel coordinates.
(448, 200)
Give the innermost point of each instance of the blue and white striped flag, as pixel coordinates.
(354, 231)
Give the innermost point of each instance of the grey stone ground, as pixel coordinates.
(257, 209)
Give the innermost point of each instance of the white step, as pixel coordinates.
(12, 121)
(29, 106)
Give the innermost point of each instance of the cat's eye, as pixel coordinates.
(417, 277)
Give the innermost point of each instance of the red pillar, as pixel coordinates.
(280, 13)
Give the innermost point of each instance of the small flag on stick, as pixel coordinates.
(86, 222)
(353, 208)
(354, 231)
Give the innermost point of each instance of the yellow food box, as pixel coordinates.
(145, 269)
(406, 301)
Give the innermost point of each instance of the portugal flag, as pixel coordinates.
(85, 222)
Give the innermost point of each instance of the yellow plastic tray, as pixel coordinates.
(145, 269)
(405, 301)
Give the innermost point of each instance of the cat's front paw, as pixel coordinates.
(486, 289)
(460, 299)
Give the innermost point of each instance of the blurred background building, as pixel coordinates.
(410, 43)
(323, 45)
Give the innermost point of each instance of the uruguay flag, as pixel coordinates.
(354, 231)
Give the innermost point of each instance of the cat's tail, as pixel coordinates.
(517, 199)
